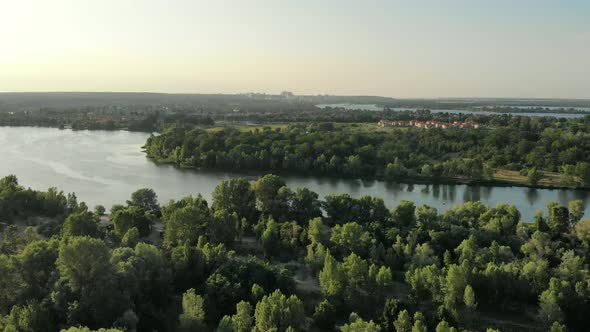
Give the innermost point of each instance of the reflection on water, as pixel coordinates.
(436, 192)
(532, 195)
(452, 193)
(106, 167)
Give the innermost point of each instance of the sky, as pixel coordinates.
(405, 49)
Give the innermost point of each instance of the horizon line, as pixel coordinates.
(294, 95)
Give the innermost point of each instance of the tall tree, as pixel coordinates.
(404, 214)
(558, 219)
(193, 312)
(145, 199)
(268, 199)
(332, 279)
(185, 220)
(235, 195)
(277, 312)
(80, 224)
(85, 269)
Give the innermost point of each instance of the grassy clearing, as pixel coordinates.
(248, 128)
(367, 127)
(550, 179)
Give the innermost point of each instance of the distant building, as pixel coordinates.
(428, 124)
(287, 94)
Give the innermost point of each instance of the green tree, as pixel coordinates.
(10, 284)
(89, 277)
(148, 281)
(30, 317)
(132, 216)
(314, 230)
(30, 235)
(424, 255)
(403, 323)
(404, 214)
(235, 195)
(12, 242)
(84, 262)
(356, 271)
(540, 222)
(549, 308)
(242, 321)
(193, 312)
(534, 176)
(324, 315)
(576, 209)
(80, 224)
(469, 298)
(455, 284)
(426, 170)
(146, 200)
(223, 227)
(426, 217)
(558, 219)
(356, 324)
(305, 205)
(556, 327)
(270, 238)
(185, 220)
(583, 171)
(277, 312)
(99, 210)
(419, 326)
(332, 278)
(257, 292)
(85, 329)
(131, 238)
(384, 277)
(351, 237)
(36, 268)
(225, 324)
(266, 190)
(582, 229)
(353, 165)
(539, 246)
(390, 312)
(396, 170)
(443, 326)
(316, 254)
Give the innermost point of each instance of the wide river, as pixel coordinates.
(104, 167)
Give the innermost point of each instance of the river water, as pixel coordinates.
(105, 167)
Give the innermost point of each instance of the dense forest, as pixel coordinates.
(265, 257)
(528, 145)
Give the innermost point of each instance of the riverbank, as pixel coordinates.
(502, 177)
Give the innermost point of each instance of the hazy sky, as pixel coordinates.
(434, 48)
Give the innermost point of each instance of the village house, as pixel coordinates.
(428, 124)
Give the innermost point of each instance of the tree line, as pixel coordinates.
(436, 154)
(265, 257)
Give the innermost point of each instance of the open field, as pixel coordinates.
(248, 127)
(550, 179)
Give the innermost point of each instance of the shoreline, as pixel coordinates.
(406, 180)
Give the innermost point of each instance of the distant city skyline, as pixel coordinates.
(400, 49)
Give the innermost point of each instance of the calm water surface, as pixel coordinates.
(104, 167)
